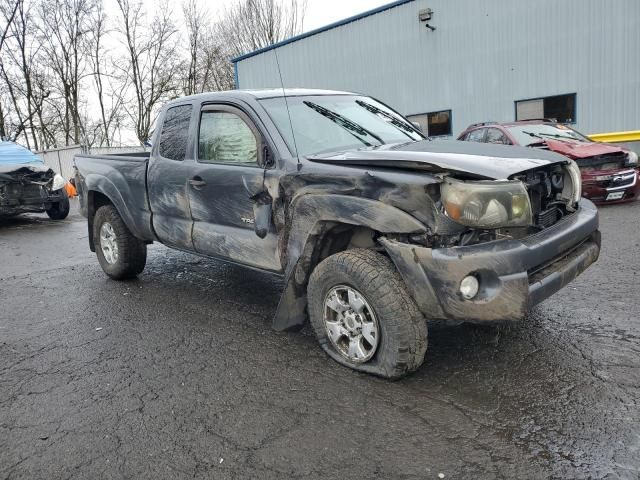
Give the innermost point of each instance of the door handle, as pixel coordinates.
(197, 182)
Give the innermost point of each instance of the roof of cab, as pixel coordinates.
(257, 94)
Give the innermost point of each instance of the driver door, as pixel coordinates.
(226, 175)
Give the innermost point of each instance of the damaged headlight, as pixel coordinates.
(58, 182)
(486, 204)
(576, 183)
(632, 158)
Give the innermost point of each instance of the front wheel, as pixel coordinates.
(60, 210)
(121, 255)
(363, 316)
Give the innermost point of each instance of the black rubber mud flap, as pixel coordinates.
(291, 314)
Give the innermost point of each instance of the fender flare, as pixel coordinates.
(101, 184)
(311, 215)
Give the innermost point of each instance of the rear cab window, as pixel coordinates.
(174, 136)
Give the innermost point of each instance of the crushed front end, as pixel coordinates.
(499, 246)
(610, 178)
(28, 189)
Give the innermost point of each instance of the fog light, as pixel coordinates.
(469, 287)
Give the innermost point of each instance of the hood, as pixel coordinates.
(578, 150)
(14, 157)
(478, 160)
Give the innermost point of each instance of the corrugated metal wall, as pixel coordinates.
(483, 56)
(61, 159)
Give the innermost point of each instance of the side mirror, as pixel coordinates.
(267, 160)
(262, 213)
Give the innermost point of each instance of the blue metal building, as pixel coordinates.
(574, 60)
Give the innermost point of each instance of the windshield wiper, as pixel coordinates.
(353, 128)
(403, 127)
(552, 135)
(555, 135)
(532, 134)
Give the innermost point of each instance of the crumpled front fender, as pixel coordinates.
(313, 215)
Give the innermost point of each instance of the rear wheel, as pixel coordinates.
(121, 255)
(60, 210)
(363, 316)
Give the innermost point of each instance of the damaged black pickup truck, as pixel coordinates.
(374, 228)
(27, 185)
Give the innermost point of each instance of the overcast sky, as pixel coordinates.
(319, 12)
(323, 12)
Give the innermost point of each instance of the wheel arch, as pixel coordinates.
(322, 225)
(101, 191)
(95, 200)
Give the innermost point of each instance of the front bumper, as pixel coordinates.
(606, 187)
(513, 274)
(16, 199)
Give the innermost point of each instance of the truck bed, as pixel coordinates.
(124, 177)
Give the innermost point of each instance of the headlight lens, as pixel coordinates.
(632, 158)
(576, 182)
(58, 182)
(490, 204)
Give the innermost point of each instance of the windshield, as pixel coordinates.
(331, 123)
(535, 133)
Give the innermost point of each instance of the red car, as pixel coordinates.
(609, 173)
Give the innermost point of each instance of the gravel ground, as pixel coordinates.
(178, 375)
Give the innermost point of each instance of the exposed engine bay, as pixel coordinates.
(32, 188)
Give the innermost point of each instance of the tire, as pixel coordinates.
(60, 210)
(130, 253)
(372, 278)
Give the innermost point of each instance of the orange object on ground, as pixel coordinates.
(71, 190)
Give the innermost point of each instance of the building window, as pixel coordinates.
(434, 124)
(559, 107)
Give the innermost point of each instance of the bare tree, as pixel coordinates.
(57, 53)
(249, 25)
(152, 63)
(208, 67)
(19, 83)
(65, 26)
(110, 91)
(195, 20)
(9, 12)
(215, 69)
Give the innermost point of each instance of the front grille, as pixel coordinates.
(17, 194)
(622, 180)
(615, 181)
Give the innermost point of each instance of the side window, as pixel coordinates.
(476, 135)
(175, 132)
(495, 135)
(224, 137)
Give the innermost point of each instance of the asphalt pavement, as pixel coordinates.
(178, 375)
